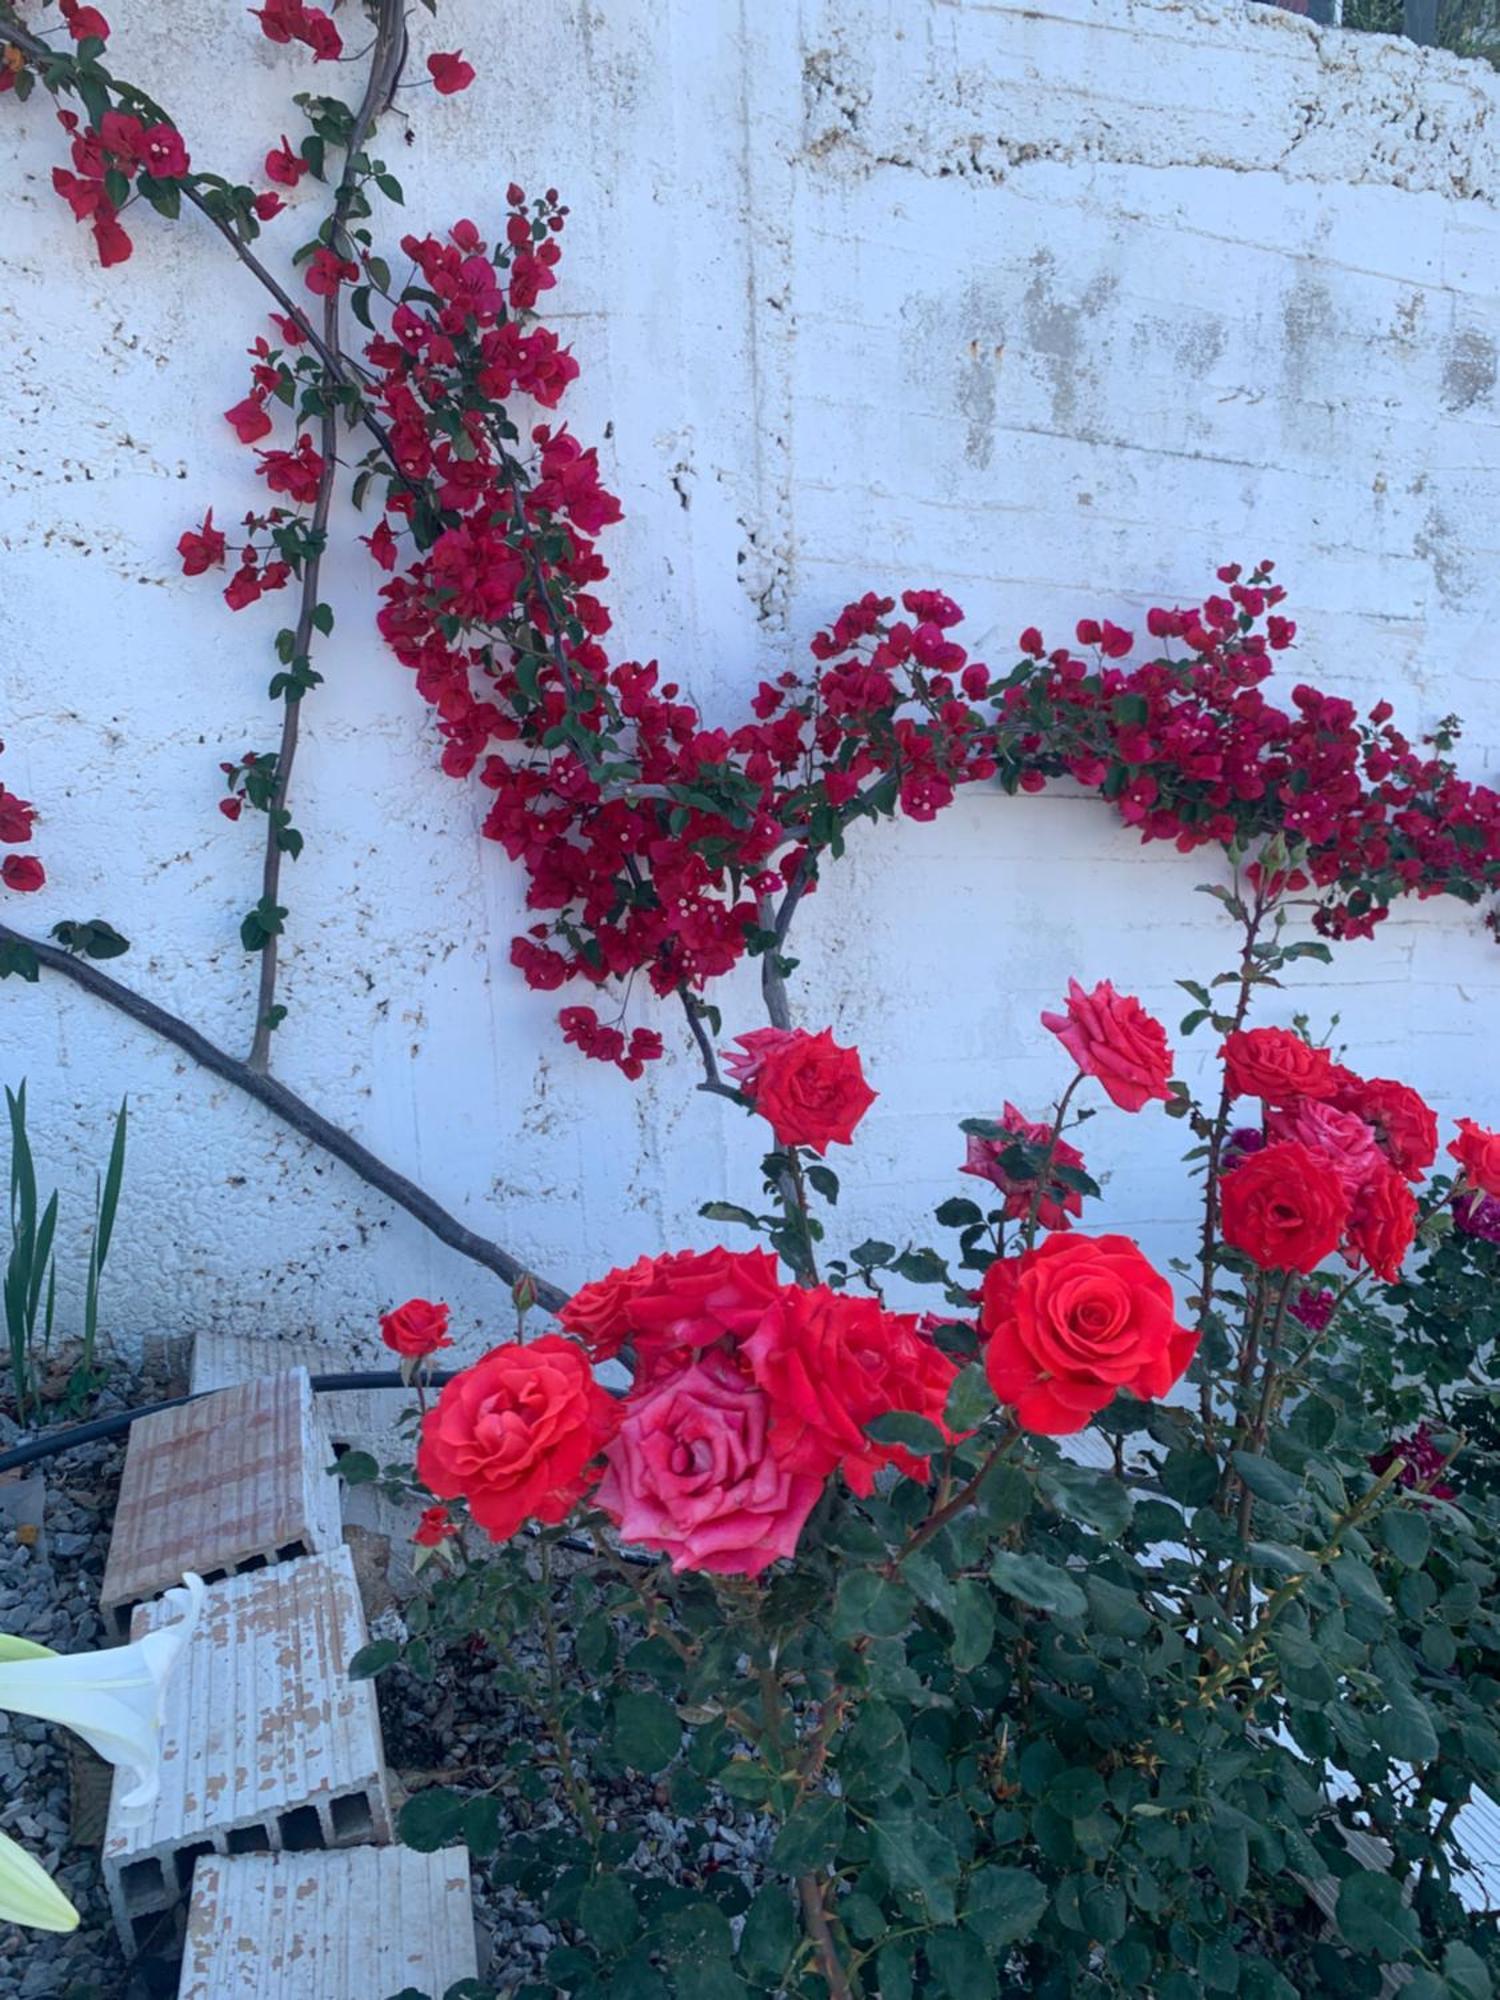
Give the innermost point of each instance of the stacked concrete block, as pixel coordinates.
(267, 1745)
(354, 1419)
(357, 1925)
(233, 1482)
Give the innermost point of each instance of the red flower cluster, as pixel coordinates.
(748, 1395)
(1334, 1175)
(121, 145)
(810, 1091)
(293, 21)
(20, 872)
(1056, 1203)
(450, 73)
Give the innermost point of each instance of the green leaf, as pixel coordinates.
(1004, 1905)
(373, 1659)
(432, 1819)
(607, 1914)
(1190, 1477)
(1373, 1919)
(958, 1963)
(1085, 1494)
(904, 1427)
(810, 1837)
(647, 1734)
(956, 1213)
(973, 1621)
(872, 1254)
(1076, 1793)
(970, 1400)
(1466, 1973)
(322, 617)
(770, 1935)
(869, 1604)
(19, 961)
(694, 1933)
(1266, 1480)
(1118, 1613)
(1404, 1728)
(728, 1211)
(1407, 1534)
(356, 1468)
(1039, 1583)
(920, 1860)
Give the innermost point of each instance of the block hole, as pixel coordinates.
(301, 1829)
(249, 1840)
(143, 1885)
(186, 1859)
(289, 1552)
(214, 1575)
(147, 1932)
(352, 1818)
(122, 1615)
(251, 1562)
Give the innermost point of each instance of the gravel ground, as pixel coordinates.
(462, 1730)
(49, 1592)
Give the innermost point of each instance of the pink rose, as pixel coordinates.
(1111, 1036)
(691, 1473)
(1340, 1138)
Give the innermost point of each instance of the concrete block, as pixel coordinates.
(233, 1482)
(356, 1419)
(267, 1745)
(358, 1925)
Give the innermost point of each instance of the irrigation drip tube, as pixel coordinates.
(54, 1442)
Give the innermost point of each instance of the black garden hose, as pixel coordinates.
(54, 1442)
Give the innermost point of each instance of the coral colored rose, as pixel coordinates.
(672, 1307)
(23, 873)
(1405, 1127)
(831, 1362)
(691, 1473)
(808, 1089)
(1339, 1138)
(450, 73)
(1277, 1065)
(436, 1526)
(1111, 1037)
(1383, 1224)
(1285, 1208)
(1074, 1321)
(419, 1327)
(1478, 1153)
(516, 1434)
(1057, 1202)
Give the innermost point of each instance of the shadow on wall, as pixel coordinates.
(1463, 27)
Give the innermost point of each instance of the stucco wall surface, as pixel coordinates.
(1053, 307)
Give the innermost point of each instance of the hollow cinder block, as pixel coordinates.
(235, 1481)
(267, 1745)
(361, 1419)
(368, 1922)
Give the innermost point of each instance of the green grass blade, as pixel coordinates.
(41, 1250)
(109, 1201)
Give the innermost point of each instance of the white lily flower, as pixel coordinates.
(28, 1894)
(111, 1699)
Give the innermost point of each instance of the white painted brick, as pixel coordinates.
(231, 1482)
(356, 1925)
(267, 1745)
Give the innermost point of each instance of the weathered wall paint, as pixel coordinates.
(1053, 307)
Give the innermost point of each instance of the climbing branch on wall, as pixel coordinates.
(286, 1105)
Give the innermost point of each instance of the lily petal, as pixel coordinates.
(28, 1894)
(111, 1699)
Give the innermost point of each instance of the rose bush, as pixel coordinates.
(1062, 1637)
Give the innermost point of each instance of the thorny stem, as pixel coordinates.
(578, 1794)
(965, 1496)
(713, 1081)
(1044, 1172)
(389, 53)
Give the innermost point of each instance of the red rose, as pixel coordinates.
(23, 873)
(692, 1473)
(1284, 1207)
(1073, 1322)
(1383, 1224)
(418, 1327)
(808, 1089)
(1111, 1037)
(1478, 1154)
(1057, 1202)
(435, 1527)
(514, 1435)
(672, 1307)
(1405, 1127)
(1277, 1065)
(450, 72)
(831, 1362)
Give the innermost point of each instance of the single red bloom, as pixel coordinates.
(249, 419)
(165, 156)
(201, 548)
(326, 271)
(450, 73)
(84, 23)
(268, 205)
(22, 872)
(111, 241)
(284, 166)
(243, 587)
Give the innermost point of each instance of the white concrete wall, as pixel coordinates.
(1054, 307)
